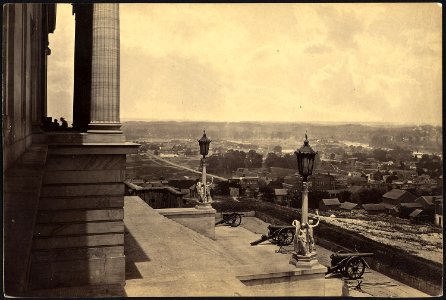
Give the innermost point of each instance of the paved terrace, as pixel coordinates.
(164, 258)
(168, 259)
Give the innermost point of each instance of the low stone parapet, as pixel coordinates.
(199, 220)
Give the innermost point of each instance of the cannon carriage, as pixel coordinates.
(280, 235)
(350, 264)
(231, 219)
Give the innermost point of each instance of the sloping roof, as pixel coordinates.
(371, 207)
(388, 205)
(399, 194)
(415, 213)
(332, 201)
(411, 205)
(348, 205)
(280, 192)
(429, 200)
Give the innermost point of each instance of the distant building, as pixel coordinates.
(427, 201)
(397, 196)
(419, 215)
(405, 209)
(322, 182)
(334, 193)
(348, 206)
(374, 209)
(157, 196)
(281, 196)
(329, 204)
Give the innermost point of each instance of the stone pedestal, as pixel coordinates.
(204, 206)
(304, 261)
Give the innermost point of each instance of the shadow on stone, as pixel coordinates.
(133, 253)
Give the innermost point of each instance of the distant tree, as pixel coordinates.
(370, 196)
(277, 149)
(332, 156)
(430, 165)
(380, 154)
(391, 178)
(253, 159)
(273, 160)
(222, 188)
(277, 184)
(344, 196)
(291, 161)
(315, 196)
(267, 193)
(156, 152)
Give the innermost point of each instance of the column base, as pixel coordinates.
(104, 128)
(304, 261)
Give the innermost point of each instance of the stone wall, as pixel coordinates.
(414, 271)
(79, 230)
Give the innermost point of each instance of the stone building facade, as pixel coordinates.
(63, 191)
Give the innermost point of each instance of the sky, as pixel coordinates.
(268, 62)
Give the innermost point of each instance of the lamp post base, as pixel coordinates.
(304, 261)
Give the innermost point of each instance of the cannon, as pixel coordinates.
(280, 235)
(351, 264)
(231, 219)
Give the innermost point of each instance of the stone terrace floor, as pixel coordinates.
(164, 258)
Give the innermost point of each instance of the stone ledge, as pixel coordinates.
(275, 270)
(185, 211)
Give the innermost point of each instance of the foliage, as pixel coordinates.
(253, 159)
(344, 196)
(315, 196)
(370, 196)
(430, 165)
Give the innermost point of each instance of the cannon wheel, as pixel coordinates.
(285, 237)
(355, 267)
(236, 221)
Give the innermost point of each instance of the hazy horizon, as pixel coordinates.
(282, 122)
(347, 63)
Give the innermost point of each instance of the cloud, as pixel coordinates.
(273, 62)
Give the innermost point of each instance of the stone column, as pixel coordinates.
(82, 66)
(105, 91)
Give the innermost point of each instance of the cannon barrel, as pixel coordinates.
(262, 239)
(342, 255)
(276, 227)
(220, 222)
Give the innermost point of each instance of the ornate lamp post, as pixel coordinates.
(204, 150)
(305, 254)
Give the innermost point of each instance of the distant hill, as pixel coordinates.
(378, 135)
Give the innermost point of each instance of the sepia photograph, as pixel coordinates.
(222, 150)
